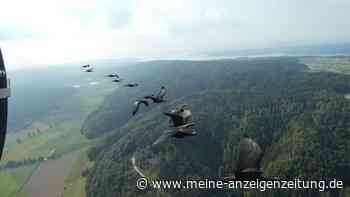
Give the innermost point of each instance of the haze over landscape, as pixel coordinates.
(106, 92)
(41, 32)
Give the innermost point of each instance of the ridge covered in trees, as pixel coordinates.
(301, 120)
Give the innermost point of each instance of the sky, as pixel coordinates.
(41, 32)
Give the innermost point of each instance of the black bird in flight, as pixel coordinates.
(88, 69)
(117, 80)
(182, 125)
(131, 85)
(159, 98)
(137, 105)
(112, 75)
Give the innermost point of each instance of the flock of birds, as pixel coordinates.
(180, 117)
(88, 68)
(181, 125)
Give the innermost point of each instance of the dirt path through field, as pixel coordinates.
(136, 168)
(48, 179)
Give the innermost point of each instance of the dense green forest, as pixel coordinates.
(301, 119)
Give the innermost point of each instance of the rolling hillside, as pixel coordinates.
(301, 120)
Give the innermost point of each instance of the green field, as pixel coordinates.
(13, 180)
(75, 183)
(64, 138)
(338, 64)
(62, 134)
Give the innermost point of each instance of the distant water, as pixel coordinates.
(76, 86)
(347, 96)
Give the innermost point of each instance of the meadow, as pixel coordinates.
(59, 131)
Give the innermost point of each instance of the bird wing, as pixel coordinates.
(89, 69)
(161, 94)
(150, 97)
(136, 107)
(186, 126)
(166, 135)
(186, 130)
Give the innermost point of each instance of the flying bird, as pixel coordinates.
(178, 132)
(182, 125)
(117, 80)
(154, 99)
(130, 85)
(161, 94)
(112, 75)
(180, 116)
(89, 69)
(137, 105)
(159, 98)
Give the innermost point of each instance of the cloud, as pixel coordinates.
(55, 31)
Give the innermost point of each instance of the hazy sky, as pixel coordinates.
(34, 32)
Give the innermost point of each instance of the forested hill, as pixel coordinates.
(301, 119)
(182, 78)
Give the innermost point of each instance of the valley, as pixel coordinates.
(283, 103)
